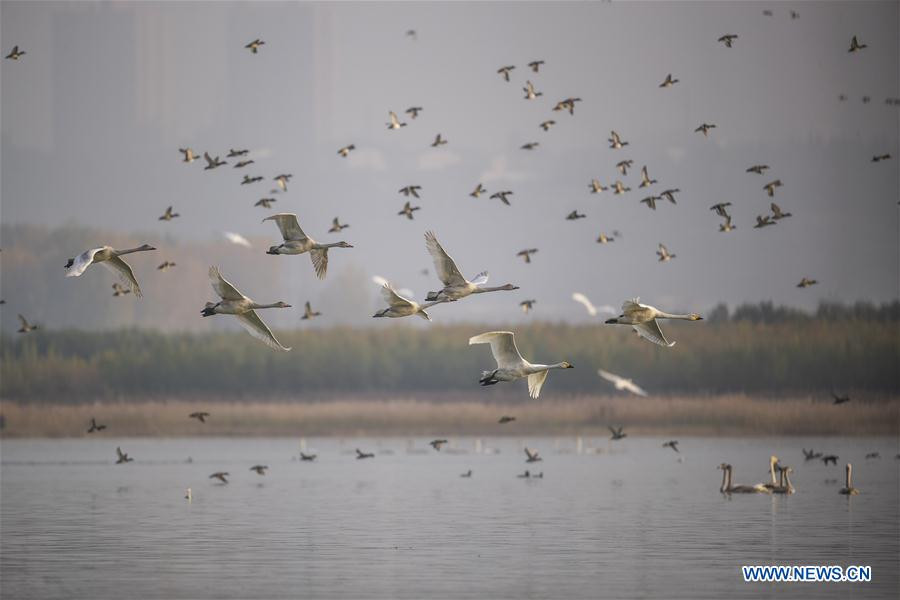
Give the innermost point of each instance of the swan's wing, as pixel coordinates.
(481, 278)
(393, 298)
(255, 327)
(319, 259)
(223, 287)
(536, 382)
(631, 305)
(579, 297)
(82, 262)
(289, 227)
(446, 269)
(379, 280)
(503, 347)
(23, 322)
(123, 270)
(651, 331)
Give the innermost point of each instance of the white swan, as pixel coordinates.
(400, 306)
(621, 383)
(456, 286)
(757, 488)
(589, 306)
(642, 317)
(510, 364)
(233, 302)
(381, 282)
(237, 239)
(848, 489)
(297, 242)
(111, 259)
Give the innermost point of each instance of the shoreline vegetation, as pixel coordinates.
(461, 415)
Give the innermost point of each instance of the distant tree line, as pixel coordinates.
(757, 349)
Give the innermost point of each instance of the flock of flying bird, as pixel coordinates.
(510, 365)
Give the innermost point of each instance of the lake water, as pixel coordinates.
(623, 521)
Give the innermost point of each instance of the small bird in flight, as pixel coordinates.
(615, 142)
(575, 215)
(530, 94)
(840, 399)
(720, 208)
(881, 157)
(410, 190)
(664, 254)
(805, 283)
(307, 456)
(605, 239)
(212, 162)
(232, 153)
(763, 221)
(345, 151)
(855, 46)
(25, 326)
(265, 202)
(504, 71)
(526, 254)
(619, 188)
(94, 427)
(254, 45)
(727, 226)
(770, 187)
(645, 178)
(758, 169)
(704, 129)
(527, 305)
(120, 290)
(530, 146)
(617, 433)
(596, 187)
(309, 313)
(247, 179)
(506, 419)
(413, 111)
(169, 215)
(624, 165)
(200, 416)
(673, 444)
(165, 266)
(728, 39)
(546, 125)
(336, 226)
(407, 210)
(668, 82)
(395, 122)
(282, 180)
(436, 444)
(220, 475)
(535, 65)
(650, 201)
(567, 104)
(438, 141)
(360, 454)
(532, 455)
(479, 189)
(243, 163)
(260, 469)
(15, 54)
(777, 214)
(189, 155)
(502, 196)
(122, 457)
(669, 194)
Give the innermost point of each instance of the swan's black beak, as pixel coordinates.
(70, 263)
(611, 321)
(271, 251)
(570, 366)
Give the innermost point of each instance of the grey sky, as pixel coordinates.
(93, 115)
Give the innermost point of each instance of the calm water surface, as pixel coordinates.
(625, 521)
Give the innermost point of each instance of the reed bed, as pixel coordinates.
(460, 415)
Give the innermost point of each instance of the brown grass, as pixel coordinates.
(711, 415)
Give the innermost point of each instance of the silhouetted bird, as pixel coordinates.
(260, 469)
(169, 215)
(308, 313)
(233, 153)
(855, 46)
(410, 190)
(200, 416)
(413, 111)
(526, 254)
(575, 215)
(16, 53)
(840, 399)
(479, 189)
(122, 457)
(25, 326)
(221, 476)
(527, 305)
(617, 433)
(673, 444)
(345, 151)
(360, 454)
(535, 65)
(506, 419)
(307, 456)
(532, 456)
(805, 283)
(407, 210)
(502, 196)
(504, 71)
(94, 427)
(668, 82)
(336, 226)
(436, 444)
(254, 48)
(728, 39)
(831, 458)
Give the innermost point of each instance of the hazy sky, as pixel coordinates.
(93, 115)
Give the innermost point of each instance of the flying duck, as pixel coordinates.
(526, 254)
(345, 151)
(407, 210)
(254, 48)
(168, 215)
(336, 226)
(664, 254)
(502, 196)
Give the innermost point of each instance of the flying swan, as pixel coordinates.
(456, 286)
(510, 364)
(109, 258)
(621, 383)
(642, 317)
(297, 242)
(235, 303)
